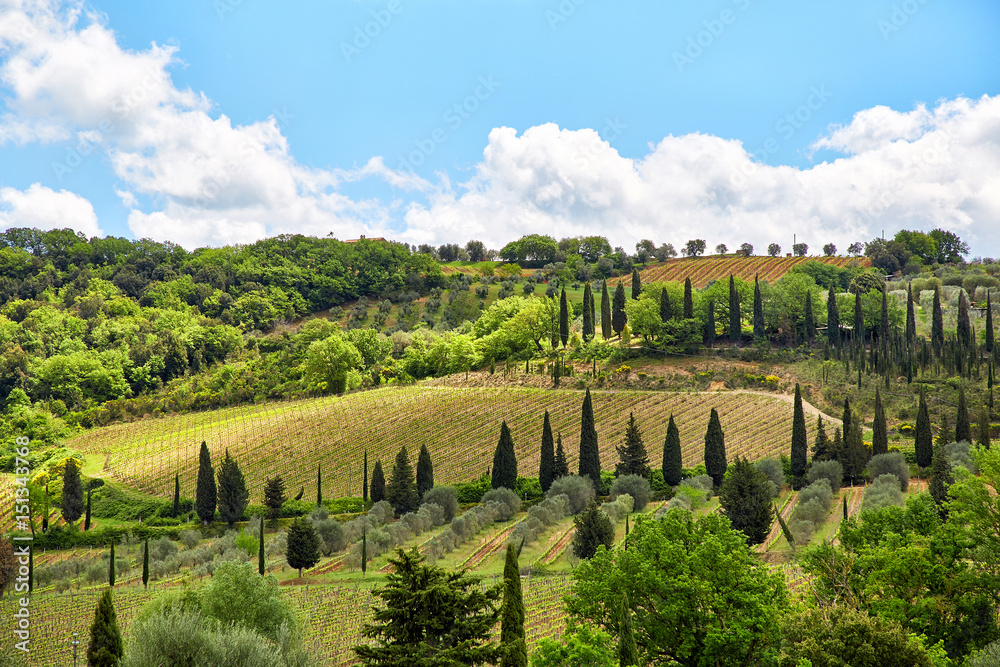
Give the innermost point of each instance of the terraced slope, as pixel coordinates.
(702, 270)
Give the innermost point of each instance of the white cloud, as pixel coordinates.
(44, 208)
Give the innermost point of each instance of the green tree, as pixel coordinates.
(745, 498)
(700, 596)
(233, 494)
(274, 497)
(425, 471)
(430, 617)
(581, 646)
(940, 476)
(923, 443)
(512, 644)
(237, 595)
(880, 435)
(636, 284)
(72, 493)
(688, 300)
(911, 320)
(86, 519)
(606, 327)
(735, 330)
(205, 491)
(364, 482)
(710, 324)
(832, 318)
(563, 318)
(504, 460)
(618, 318)
(800, 442)
(106, 647)
(666, 309)
(319, 484)
(937, 324)
(145, 563)
(561, 465)
(963, 327)
(593, 529)
(758, 311)
(302, 550)
(332, 363)
(715, 449)
(963, 430)
(810, 319)
(632, 458)
(401, 490)
(547, 461)
(821, 444)
(848, 416)
(377, 490)
(590, 454)
(588, 312)
(176, 510)
(628, 653)
(944, 432)
(857, 452)
(983, 428)
(111, 566)
(672, 464)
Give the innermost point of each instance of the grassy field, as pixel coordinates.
(702, 270)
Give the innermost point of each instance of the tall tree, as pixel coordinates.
(606, 327)
(364, 550)
(512, 644)
(593, 529)
(810, 319)
(937, 324)
(880, 436)
(176, 511)
(758, 311)
(710, 324)
(628, 653)
(688, 300)
(145, 564)
(983, 428)
(632, 457)
(364, 482)
(72, 493)
(547, 461)
(425, 471)
(106, 648)
(260, 551)
(588, 312)
(274, 497)
(832, 318)
(233, 494)
(715, 450)
(963, 327)
(735, 330)
(989, 342)
(401, 489)
(86, 518)
(672, 464)
(800, 442)
(319, 484)
(940, 476)
(636, 284)
(944, 432)
(111, 566)
(377, 490)
(45, 509)
(963, 430)
(745, 497)
(821, 444)
(923, 442)
(848, 415)
(857, 453)
(666, 309)
(561, 465)
(563, 318)
(593, 314)
(205, 491)
(859, 320)
(590, 454)
(302, 550)
(504, 460)
(618, 318)
(911, 319)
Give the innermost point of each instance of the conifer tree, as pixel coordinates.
(963, 327)
(606, 327)
(618, 318)
(504, 460)
(983, 428)
(364, 550)
(911, 320)
(425, 471)
(588, 312)
(715, 450)
(688, 300)
(937, 324)
(745, 497)
(848, 417)
(883, 327)
(260, 550)
(364, 482)
(800, 442)
(859, 321)
(72, 493)
(561, 467)
(593, 528)
(547, 462)
(632, 456)
(274, 497)
(735, 332)
(628, 652)
(821, 444)
(563, 318)
(590, 455)
(593, 314)
(672, 464)
(944, 431)
(176, 511)
(963, 430)
(810, 318)
(837, 449)
(785, 530)
(233, 494)
(45, 510)
(989, 342)
(636, 284)
(401, 489)
(940, 477)
(880, 436)
(206, 491)
(319, 484)
(512, 645)
(145, 564)
(106, 648)
(857, 452)
(666, 310)
(377, 490)
(710, 324)
(86, 518)
(923, 442)
(302, 550)
(832, 318)
(111, 566)
(758, 311)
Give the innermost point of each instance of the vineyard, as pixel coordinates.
(459, 426)
(702, 270)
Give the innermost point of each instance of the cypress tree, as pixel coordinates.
(364, 483)
(593, 314)
(983, 435)
(636, 284)
(514, 650)
(547, 463)
(377, 491)
(504, 460)
(821, 445)
(561, 466)
(784, 528)
(688, 300)
(632, 454)
(319, 484)
(425, 471)
(45, 511)
(846, 419)
(937, 325)
(880, 436)
(588, 313)
(606, 327)
(672, 454)
(72, 493)
(274, 497)
(86, 518)
(810, 318)
(590, 455)
(563, 318)
(710, 324)
(844, 503)
(106, 647)
(628, 653)
(364, 550)
(837, 450)
(963, 430)
(758, 311)
(989, 324)
(260, 550)
(911, 319)
(859, 321)
(206, 493)
(944, 432)
(883, 326)
(800, 443)
(923, 442)
(963, 327)
(593, 528)
(832, 318)
(940, 477)
(734, 312)
(857, 453)
(618, 318)
(302, 551)
(111, 566)
(715, 450)
(401, 489)
(145, 564)
(666, 311)
(233, 494)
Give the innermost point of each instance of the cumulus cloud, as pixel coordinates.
(44, 208)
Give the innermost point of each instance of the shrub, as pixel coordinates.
(579, 491)
(445, 497)
(618, 509)
(831, 471)
(473, 492)
(702, 483)
(190, 538)
(330, 531)
(508, 501)
(247, 542)
(635, 486)
(892, 463)
(775, 473)
(959, 456)
(884, 492)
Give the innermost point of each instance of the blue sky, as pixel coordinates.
(730, 119)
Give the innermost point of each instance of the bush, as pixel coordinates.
(330, 531)
(812, 509)
(635, 486)
(989, 656)
(579, 491)
(701, 483)
(190, 538)
(618, 509)
(472, 492)
(775, 473)
(884, 492)
(162, 548)
(959, 456)
(445, 497)
(508, 501)
(892, 463)
(831, 471)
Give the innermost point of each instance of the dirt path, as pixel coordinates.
(490, 546)
(775, 532)
(559, 547)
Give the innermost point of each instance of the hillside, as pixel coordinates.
(702, 270)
